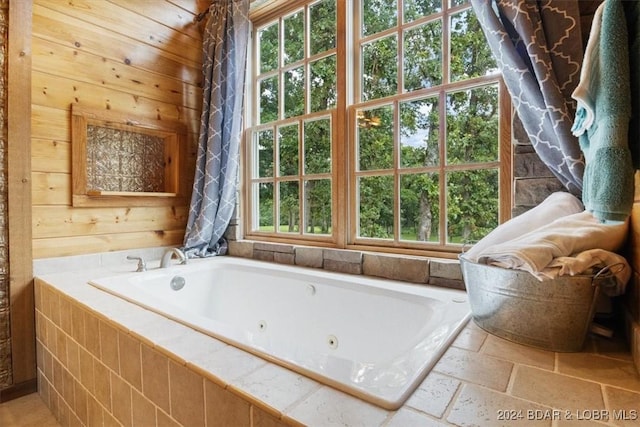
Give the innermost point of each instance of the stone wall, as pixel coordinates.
(532, 179)
(413, 269)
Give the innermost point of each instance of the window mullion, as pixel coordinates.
(442, 227)
(446, 44)
(340, 130)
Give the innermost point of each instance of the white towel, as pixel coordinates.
(565, 236)
(586, 260)
(556, 205)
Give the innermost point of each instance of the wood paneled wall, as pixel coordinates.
(141, 58)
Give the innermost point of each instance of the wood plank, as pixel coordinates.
(77, 245)
(21, 297)
(62, 91)
(194, 7)
(65, 221)
(167, 14)
(128, 122)
(51, 188)
(122, 21)
(506, 155)
(71, 32)
(50, 155)
(62, 61)
(115, 200)
(95, 193)
(54, 189)
(55, 124)
(50, 123)
(78, 153)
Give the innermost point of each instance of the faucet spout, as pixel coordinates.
(168, 256)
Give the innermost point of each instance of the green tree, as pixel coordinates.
(471, 123)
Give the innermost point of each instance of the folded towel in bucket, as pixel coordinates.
(556, 205)
(566, 236)
(587, 260)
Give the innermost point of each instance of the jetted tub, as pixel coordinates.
(375, 339)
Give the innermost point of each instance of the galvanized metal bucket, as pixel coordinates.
(513, 304)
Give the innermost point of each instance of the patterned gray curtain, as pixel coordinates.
(539, 50)
(213, 199)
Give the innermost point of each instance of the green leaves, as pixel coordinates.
(423, 123)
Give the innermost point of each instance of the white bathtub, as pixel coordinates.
(375, 339)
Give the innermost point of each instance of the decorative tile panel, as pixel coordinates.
(120, 160)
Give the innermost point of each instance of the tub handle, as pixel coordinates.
(142, 266)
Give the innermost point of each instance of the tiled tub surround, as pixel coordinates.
(104, 361)
(314, 322)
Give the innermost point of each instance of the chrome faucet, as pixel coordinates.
(168, 255)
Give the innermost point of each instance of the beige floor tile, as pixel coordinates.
(408, 417)
(606, 370)
(476, 368)
(276, 386)
(623, 406)
(555, 390)
(160, 329)
(26, 411)
(328, 407)
(470, 338)
(478, 406)
(229, 363)
(513, 352)
(190, 345)
(434, 394)
(574, 422)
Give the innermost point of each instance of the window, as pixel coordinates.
(391, 137)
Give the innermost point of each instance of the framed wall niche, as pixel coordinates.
(120, 160)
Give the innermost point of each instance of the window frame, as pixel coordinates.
(174, 136)
(344, 147)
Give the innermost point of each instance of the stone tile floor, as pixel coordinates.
(26, 411)
(483, 380)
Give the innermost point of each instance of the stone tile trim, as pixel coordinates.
(406, 268)
(84, 381)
